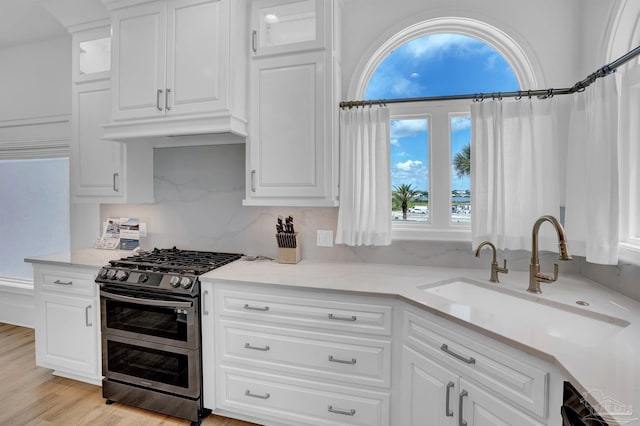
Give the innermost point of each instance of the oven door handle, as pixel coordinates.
(146, 302)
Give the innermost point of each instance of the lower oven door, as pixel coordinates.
(150, 365)
(152, 317)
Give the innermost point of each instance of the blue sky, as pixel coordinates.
(432, 65)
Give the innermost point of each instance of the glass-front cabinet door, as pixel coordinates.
(92, 54)
(284, 26)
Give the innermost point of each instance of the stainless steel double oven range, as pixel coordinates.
(151, 334)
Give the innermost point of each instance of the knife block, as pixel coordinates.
(290, 255)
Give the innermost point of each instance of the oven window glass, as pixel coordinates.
(148, 364)
(147, 320)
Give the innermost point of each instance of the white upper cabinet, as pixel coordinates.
(176, 70)
(286, 26)
(294, 93)
(101, 170)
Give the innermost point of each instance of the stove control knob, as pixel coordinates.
(143, 278)
(122, 275)
(186, 282)
(174, 281)
(111, 274)
(103, 273)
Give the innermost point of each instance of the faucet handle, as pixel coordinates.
(504, 269)
(548, 278)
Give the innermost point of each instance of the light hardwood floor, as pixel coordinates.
(31, 395)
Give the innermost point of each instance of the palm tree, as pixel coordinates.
(403, 194)
(462, 161)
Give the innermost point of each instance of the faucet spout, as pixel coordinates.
(535, 277)
(494, 262)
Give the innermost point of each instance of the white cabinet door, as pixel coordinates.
(285, 26)
(138, 53)
(197, 43)
(288, 140)
(67, 334)
(430, 392)
(96, 163)
(481, 408)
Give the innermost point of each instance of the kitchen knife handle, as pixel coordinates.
(253, 175)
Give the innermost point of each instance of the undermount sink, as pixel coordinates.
(474, 301)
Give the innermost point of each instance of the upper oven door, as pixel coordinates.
(151, 317)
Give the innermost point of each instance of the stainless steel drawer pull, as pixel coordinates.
(253, 176)
(461, 420)
(255, 308)
(86, 316)
(63, 282)
(166, 100)
(342, 318)
(448, 411)
(255, 395)
(158, 93)
(204, 302)
(116, 182)
(342, 361)
(254, 35)
(256, 348)
(350, 412)
(468, 360)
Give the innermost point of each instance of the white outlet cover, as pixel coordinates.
(324, 238)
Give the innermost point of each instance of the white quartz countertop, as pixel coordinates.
(88, 257)
(606, 370)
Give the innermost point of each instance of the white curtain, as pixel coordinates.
(592, 199)
(514, 169)
(364, 216)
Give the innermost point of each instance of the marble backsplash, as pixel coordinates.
(198, 205)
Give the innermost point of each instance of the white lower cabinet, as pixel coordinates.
(67, 322)
(296, 357)
(283, 356)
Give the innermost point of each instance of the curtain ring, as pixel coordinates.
(550, 93)
(500, 96)
(529, 93)
(519, 97)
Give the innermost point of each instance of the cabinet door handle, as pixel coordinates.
(204, 302)
(166, 100)
(447, 408)
(255, 308)
(342, 361)
(350, 412)
(255, 395)
(63, 282)
(116, 182)
(468, 360)
(158, 99)
(86, 316)
(253, 176)
(256, 348)
(342, 318)
(461, 420)
(254, 39)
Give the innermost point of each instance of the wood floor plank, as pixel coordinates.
(32, 396)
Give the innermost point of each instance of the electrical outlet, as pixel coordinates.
(324, 238)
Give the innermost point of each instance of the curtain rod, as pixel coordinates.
(541, 93)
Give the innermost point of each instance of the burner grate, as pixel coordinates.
(176, 261)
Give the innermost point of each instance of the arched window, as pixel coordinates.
(430, 140)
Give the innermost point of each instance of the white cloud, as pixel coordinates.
(460, 123)
(411, 172)
(408, 165)
(404, 128)
(435, 46)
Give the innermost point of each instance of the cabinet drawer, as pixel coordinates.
(507, 374)
(363, 361)
(299, 402)
(68, 281)
(306, 309)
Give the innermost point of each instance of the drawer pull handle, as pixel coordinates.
(63, 282)
(255, 395)
(87, 322)
(468, 360)
(342, 361)
(255, 308)
(447, 408)
(351, 412)
(256, 348)
(204, 302)
(461, 420)
(342, 318)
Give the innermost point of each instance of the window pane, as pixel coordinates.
(461, 169)
(410, 169)
(34, 218)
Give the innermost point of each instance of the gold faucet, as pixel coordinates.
(535, 277)
(494, 263)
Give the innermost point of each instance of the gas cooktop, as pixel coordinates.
(168, 270)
